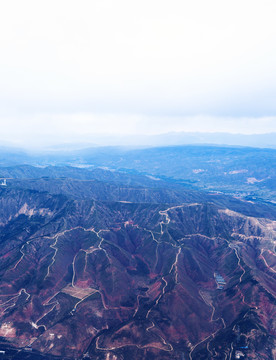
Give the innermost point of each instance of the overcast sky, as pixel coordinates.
(70, 69)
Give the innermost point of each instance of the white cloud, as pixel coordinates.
(68, 60)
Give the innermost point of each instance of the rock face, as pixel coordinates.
(134, 280)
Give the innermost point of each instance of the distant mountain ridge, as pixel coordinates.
(183, 138)
(265, 140)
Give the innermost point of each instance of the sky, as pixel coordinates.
(72, 70)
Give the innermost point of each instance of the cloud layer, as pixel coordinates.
(78, 62)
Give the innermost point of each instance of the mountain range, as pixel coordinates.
(105, 264)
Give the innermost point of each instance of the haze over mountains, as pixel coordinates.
(266, 140)
(234, 170)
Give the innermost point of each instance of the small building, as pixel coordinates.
(239, 354)
(28, 348)
(219, 280)
(3, 182)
